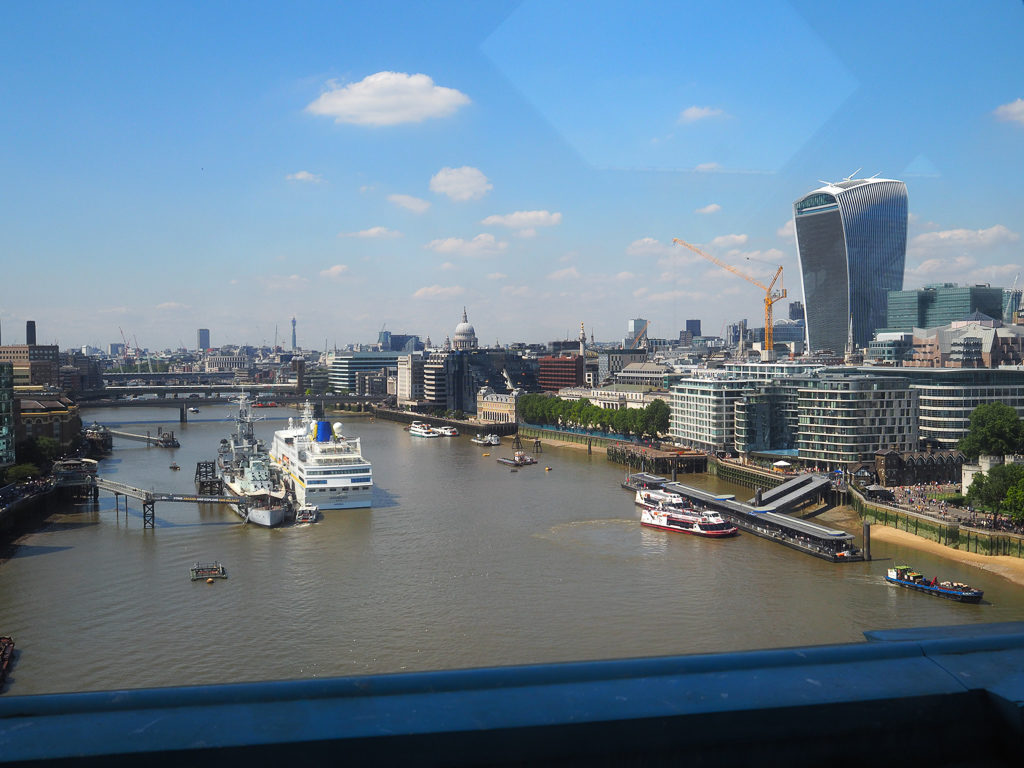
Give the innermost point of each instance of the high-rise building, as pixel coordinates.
(636, 333)
(7, 425)
(693, 326)
(937, 305)
(796, 310)
(203, 339)
(294, 344)
(30, 332)
(851, 240)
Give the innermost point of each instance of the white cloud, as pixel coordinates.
(787, 231)
(706, 167)
(388, 98)
(524, 220)
(461, 184)
(695, 113)
(569, 273)
(284, 282)
(448, 266)
(482, 245)
(439, 292)
(963, 239)
(497, 276)
(648, 246)
(372, 233)
(672, 295)
(728, 241)
(414, 204)
(334, 272)
(945, 266)
(517, 290)
(172, 305)
(312, 178)
(1012, 112)
(712, 208)
(625, 276)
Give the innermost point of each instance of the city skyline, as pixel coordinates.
(168, 169)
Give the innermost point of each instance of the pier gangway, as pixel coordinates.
(162, 439)
(793, 492)
(149, 498)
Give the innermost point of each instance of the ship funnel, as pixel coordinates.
(323, 431)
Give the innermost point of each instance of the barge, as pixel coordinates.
(214, 570)
(905, 576)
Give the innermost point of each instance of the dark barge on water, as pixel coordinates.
(214, 570)
(6, 652)
(905, 576)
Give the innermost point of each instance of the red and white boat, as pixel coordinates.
(670, 513)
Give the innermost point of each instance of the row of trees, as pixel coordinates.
(582, 414)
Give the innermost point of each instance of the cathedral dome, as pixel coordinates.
(465, 334)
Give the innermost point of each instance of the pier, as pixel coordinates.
(162, 439)
(761, 518)
(150, 498)
(644, 458)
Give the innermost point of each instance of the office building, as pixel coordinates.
(410, 378)
(937, 305)
(796, 310)
(693, 326)
(851, 241)
(30, 332)
(558, 372)
(35, 365)
(203, 339)
(345, 365)
(7, 423)
(703, 411)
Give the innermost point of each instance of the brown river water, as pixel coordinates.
(460, 563)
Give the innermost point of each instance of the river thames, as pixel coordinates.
(460, 563)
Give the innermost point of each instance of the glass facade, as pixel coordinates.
(852, 243)
(937, 305)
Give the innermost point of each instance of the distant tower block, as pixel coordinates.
(583, 341)
(203, 339)
(294, 345)
(30, 333)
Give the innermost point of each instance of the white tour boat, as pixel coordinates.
(486, 440)
(422, 429)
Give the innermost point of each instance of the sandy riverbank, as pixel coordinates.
(1011, 568)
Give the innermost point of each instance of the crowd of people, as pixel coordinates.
(927, 499)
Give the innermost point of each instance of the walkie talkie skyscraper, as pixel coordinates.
(851, 239)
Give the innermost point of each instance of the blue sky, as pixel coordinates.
(165, 167)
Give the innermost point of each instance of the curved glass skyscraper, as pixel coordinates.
(851, 239)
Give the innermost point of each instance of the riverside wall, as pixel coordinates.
(950, 533)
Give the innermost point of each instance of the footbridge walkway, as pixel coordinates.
(149, 498)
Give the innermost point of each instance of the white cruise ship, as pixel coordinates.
(321, 466)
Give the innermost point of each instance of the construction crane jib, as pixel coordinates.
(771, 295)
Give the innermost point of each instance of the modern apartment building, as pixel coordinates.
(851, 241)
(703, 411)
(845, 419)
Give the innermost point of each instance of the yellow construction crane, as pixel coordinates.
(770, 295)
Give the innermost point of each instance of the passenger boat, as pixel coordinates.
(307, 513)
(446, 431)
(422, 429)
(174, 466)
(486, 440)
(193, 409)
(519, 459)
(321, 465)
(212, 570)
(905, 576)
(682, 519)
(6, 651)
(649, 499)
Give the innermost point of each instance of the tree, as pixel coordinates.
(991, 490)
(995, 431)
(1014, 504)
(20, 472)
(658, 417)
